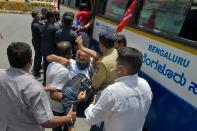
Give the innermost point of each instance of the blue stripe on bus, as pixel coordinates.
(168, 112)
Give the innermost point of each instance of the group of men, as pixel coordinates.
(124, 98)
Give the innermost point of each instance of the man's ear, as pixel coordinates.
(121, 45)
(123, 70)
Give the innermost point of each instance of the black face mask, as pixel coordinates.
(82, 66)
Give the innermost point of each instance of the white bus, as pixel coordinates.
(166, 33)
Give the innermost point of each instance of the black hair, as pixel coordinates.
(131, 58)
(83, 6)
(71, 14)
(34, 14)
(63, 48)
(120, 38)
(44, 10)
(67, 20)
(50, 16)
(19, 54)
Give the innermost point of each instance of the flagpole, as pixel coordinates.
(127, 16)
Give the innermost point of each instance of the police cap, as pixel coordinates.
(107, 39)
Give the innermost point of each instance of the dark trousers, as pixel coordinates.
(45, 64)
(37, 61)
(59, 128)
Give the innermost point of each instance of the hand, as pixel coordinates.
(78, 29)
(72, 114)
(79, 42)
(86, 26)
(94, 100)
(82, 96)
(49, 88)
(64, 62)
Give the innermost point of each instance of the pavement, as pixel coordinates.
(17, 27)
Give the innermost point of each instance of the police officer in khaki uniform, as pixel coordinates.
(104, 73)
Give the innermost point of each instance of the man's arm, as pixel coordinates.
(38, 28)
(103, 108)
(58, 82)
(38, 103)
(56, 121)
(58, 59)
(99, 76)
(90, 52)
(54, 94)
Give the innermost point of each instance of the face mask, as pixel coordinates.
(82, 66)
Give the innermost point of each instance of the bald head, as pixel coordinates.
(82, 60)
(64, 49)
(82, 56)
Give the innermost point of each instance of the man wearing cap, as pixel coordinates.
(104, 73)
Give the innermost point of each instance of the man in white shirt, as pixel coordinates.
(57, 76)
(24, 105)
(123, 106)
(82, 64)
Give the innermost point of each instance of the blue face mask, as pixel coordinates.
(82, 66)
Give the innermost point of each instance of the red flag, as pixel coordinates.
(127, 16)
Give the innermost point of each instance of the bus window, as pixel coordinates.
(189, 29)
(166, 16)
(101, 6)
(115, 8)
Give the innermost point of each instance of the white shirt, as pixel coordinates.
(123, 106)
(57, 75)
(74, 70)
(23, 102)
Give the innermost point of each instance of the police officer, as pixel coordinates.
(104, 73)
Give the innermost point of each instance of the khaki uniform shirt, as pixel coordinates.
(105, 73)
(23, 102)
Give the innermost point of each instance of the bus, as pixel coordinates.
(166, 33)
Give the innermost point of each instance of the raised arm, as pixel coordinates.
(90, 52)
(58, 59)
